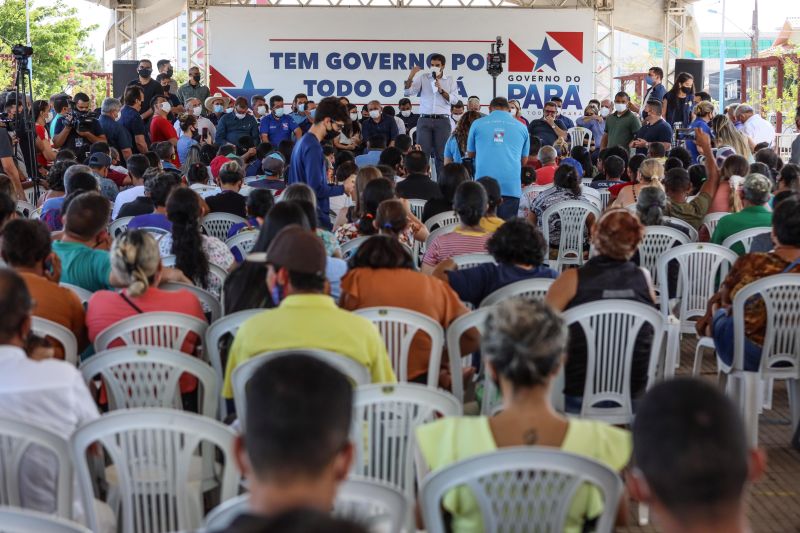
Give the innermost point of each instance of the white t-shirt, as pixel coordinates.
(759, 130)
(128, 195)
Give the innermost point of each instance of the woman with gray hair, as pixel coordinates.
(650, 206)
(523, 346)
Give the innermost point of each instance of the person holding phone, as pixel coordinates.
(194, 107)
(190, 134)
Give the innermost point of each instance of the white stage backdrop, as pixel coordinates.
(366, 53)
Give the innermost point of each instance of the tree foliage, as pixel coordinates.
(59, 52)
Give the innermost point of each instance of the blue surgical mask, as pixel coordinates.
(276, 294)
(649, 80)
(313, 112)
(218, 108)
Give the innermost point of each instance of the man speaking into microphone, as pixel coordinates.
(437, 93)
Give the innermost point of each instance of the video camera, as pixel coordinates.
(495, 59)
(21, 53)
(82, 120)
(684, 134)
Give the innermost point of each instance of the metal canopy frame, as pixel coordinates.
(675, 19)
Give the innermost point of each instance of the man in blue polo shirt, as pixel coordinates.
(378, 123)
(500, 144)
(549, 128)
(654, 129)
(277, 126)
(308, 164)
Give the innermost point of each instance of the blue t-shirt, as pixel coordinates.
(500, 142)
(253, 168)
(278, 129)
(660, 132)
(308, 166)
(184, 143)
(117, 136)
(690, 145)
(451, 150)
(131, 120)
(370, 158)
(151, 220)
(476, 283)
(83, 266)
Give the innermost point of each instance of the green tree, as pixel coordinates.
(59, 53)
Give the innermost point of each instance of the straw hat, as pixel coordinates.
(209, 103)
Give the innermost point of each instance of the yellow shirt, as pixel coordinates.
(453, 439)
(310, 321)
(491, 224)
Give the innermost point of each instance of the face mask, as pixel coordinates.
(218, 108)
(457, 117)
(649, 80)
(619, 108)
(196, 77)
(240, 116)
(688, 90)
(301, 108)
(330, 134)
(229, 110)
(262, 110)
(512, 112)
(405, 112)
(278, 112)
(353, 116)
(197, 111)
(313, 112)
(374, 113)
(169, 72)
(50, 116)
(603, 112)
(145, 72)
(166, 107)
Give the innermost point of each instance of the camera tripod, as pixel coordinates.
(24, 123)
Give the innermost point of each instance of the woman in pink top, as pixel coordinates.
(135, 259)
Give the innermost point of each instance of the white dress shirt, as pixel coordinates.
(124, 197)
(430, 101)
(401, 126)
(760, 130)
(202, 122)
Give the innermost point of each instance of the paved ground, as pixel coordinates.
(775, 501)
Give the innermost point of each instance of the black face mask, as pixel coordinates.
(196, 77)
(331, 134)
(145, 72)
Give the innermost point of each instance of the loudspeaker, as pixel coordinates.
(123, 71)
(693, 67)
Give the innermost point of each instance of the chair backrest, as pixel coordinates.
(701, 268)
(118, 226)
(153, 450)
(156, 232)
(243, 242)
(682, 223)
(611, 328)
(532, 191)
(368, 501)
(36, 214)
(657, 240)
(517, 488)
(146, 376)
(159, 329)
(351, 247)
(15, 520)
(586, 181)
(356, 372)
(579, 136)
(593, 195)
(442, 219)
(25, 209)
(83, 294)
(168, 260)
(218, 224)
(456, 329)
(208, 300)
(573, 216)
(222, 516)
(533, 289)
(438, 232)
(711, 220)
(17, 437)
(398, 328)
(200, 188)
(745, 237)
(385, 418)
(216, 279)
(65, 337)
(605, 198)
(471, 260)
(417, 205)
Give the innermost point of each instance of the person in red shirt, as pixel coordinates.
(161, 129)
(548, 157)
(44, 149)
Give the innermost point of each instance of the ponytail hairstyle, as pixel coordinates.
(524, 342)
(197, 173)
(187, 121)
(183, 210)
(375, 192)
(650, 206)
(391, 218)
(734, 169)
(651, 171)
(135, 259)
(566, 177)
(470, 203)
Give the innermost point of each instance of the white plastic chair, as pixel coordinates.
(611, 328)
(25, 209)
(65, 337)
(243, 241)
(356, 372)
(159, 329)
(36, 214)
(417, 205)
(533, 289)
(15, 520)
(385, 418)
(456, 329)
(208, 300)
(200, 188)
(153, 451)
(470, 260)
(711, 220)
(586, 181)
(593, 195)
(746, 237)
(83, 294)
(781, 296)
(682, 223)
(605, 198)
(16, 438)
(142, 376)
(435, 234)
(447, 218)
(657, 240)
(573, 218)
(218, 224)
(119, 226)
(351, 247)
(522, 489)
(30, 195)
(222, 516)
(216, 275)
(398, 327)
(579, 137)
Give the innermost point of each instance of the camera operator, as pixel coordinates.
(8, 160)
(77, 129)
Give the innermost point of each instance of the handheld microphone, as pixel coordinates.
(433, 74)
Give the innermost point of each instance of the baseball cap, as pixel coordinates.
(273, 164)
(575, 164)
(757, 183)
(297, 250)
(99, 159)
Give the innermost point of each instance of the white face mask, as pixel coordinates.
(166, 107)
(229, 110)
(262, 109)
(619, 108)
(513, 111)
(278, 112)
(603, 112)
(301, 107)
(50, 116)
(457, 117)
(197, 111)
(374, 113)
(353, 116)
(241, 115)
(405, 113)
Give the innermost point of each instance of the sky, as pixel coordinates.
(772, 14)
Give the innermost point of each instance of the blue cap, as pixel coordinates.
(575, 164)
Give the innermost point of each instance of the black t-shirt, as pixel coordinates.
(6, 150)
(151, 89)
(418, 186)
(228, 202)
(75, 142)
(143, 205)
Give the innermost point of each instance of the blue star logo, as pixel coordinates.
(247, 90)
(544, 56)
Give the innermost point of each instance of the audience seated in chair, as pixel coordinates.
(228, 200)
(150, 210)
